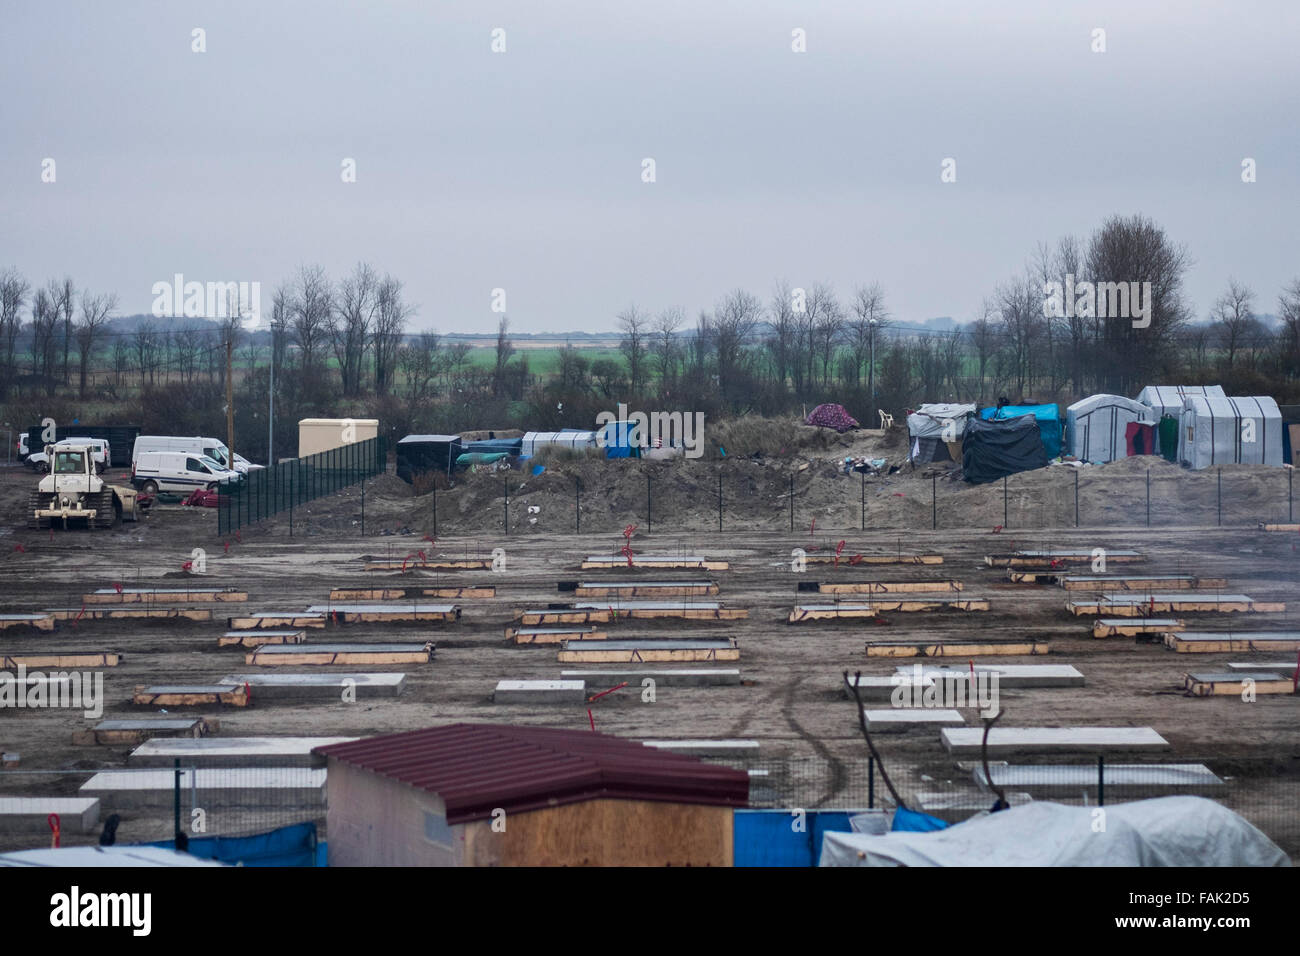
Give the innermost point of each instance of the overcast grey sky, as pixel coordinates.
(522, 169)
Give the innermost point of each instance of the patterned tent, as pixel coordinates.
(831, 416)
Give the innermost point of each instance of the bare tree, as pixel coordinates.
(145, 346)
(781, 343)
(1233, 318)
(666, 350)
(63, 295)
(870, 317)
(350, 323)
(96, 312)
(419, 363)
(312, 305)
(13, 296)
(1289, 340)
(829, 328)
(732, 326)
(45, 321)
(390, 326)
(984, 337)
(635, 326)
(281, 324)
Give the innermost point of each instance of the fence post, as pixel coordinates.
(505, 483)
(1289, 475)
(791, 502)
(864, 501)
(1101, 780)
(1005, 522)
(648, 508)
(292, 488)
(176, 801)
(1219, 472)
(1076, 497)
(719, 498)
(1148, 497)
(363, 506)
(934, 502)
(577, 503)
(871, 783)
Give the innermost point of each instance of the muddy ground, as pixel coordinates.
(791, 701)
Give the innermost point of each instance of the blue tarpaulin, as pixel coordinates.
(780, 838)
(288, 846)
(1047, 416)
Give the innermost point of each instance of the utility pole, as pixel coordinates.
(871, 373)
(270, 410)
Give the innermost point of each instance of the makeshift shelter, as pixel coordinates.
(831, 416)
(418, 454)
(994, 449)
(1230, 431)
(1096, 427)
(533, 442)
(494, 446)
(621, 439)
(936, 431)
(434, 797)
(1047, 416)
(1168, 831)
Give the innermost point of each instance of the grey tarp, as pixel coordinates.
(1169, 831)
(1230, 431)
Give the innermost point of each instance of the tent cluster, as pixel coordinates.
(1197, 426)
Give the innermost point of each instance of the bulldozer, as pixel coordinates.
(73, 491)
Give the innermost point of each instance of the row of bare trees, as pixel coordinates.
(62, 321)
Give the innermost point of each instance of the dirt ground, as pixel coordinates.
(790, 702)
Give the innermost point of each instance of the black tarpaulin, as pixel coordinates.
(994, 449)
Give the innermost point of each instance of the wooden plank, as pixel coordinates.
(380, 613)
(829, 612)
(955, 648)
(662, 561)
(1051, 560)
(564, 616)
(164, 596)
(1235, 684)
(634, 589)
(401, 594)
(1142, 582)
(132, 612)
(1190, 642)
(881, 587)
(191, 696)
(1139, 606)
(324, 655)
(1103, 627)
(41, 622)
(258, 638)
(848, 561)
(1292, 528)
(295, 620)
(557, 635)
(59, 659)
(438, 564)
(627, 652)
(111, 732)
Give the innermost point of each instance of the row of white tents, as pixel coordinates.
(1211, 427)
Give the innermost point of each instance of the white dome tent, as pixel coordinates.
(1169, 399)
(932, 427)
(1230, 431)
(1096, 427)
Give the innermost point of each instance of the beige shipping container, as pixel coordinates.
(316, 435)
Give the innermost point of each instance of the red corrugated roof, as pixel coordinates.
(477, 768)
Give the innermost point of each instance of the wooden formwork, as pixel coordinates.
(688, 613)
(853, 560)
(1190, 643)
(133, 612)
(42, 621)
(661, 562)
(1138, 627)
(1280, 527)
(11, 662)
(634, 589)
(406, 594)
(289, 619)
(327, 654)
(1236, 685)
(956, 648)
(1033, 577)
(832, 612)
(231, 695)
(258, 638)
(116, 732)
(521, 635)
(1148, 582)
(569, 615)
(628, 652)
(442, 564)
(164, 596)
(879, 587)
(1165, 604)
(388, 613)
(1052, 560)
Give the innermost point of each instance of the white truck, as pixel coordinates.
(103, 454)
(72, 491)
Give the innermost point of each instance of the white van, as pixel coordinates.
(155, 471)
(100, 454)
(213, 448)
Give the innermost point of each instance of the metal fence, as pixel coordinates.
(1265, 792)
(286, 485)
(156, 803)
